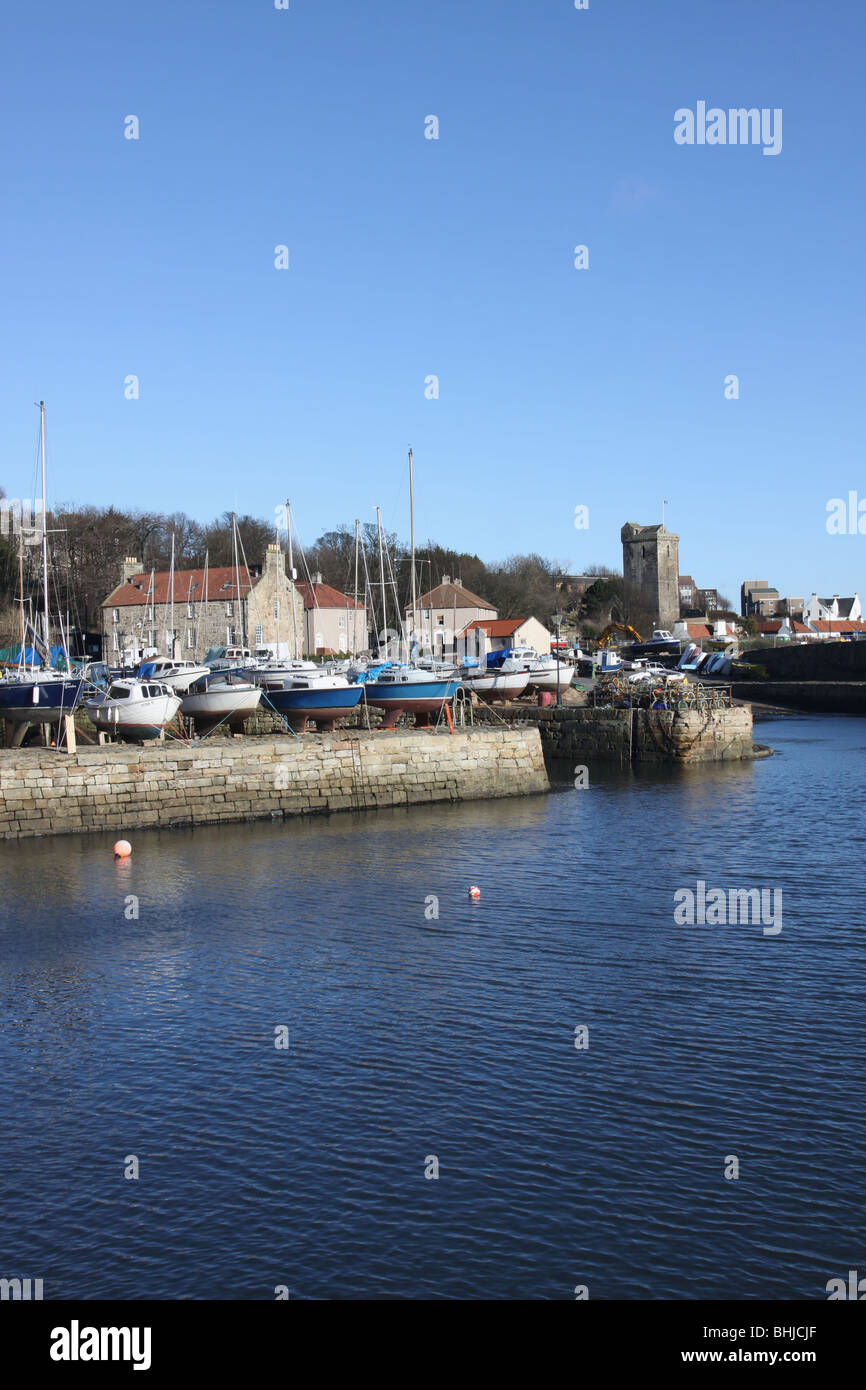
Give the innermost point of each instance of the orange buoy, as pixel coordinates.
(122, 850)
(475, 892)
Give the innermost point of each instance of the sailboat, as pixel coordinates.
(40, 695)
(220, 697)
(407, 688)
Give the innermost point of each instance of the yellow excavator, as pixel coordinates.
(623, 629)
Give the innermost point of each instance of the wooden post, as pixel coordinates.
(69, 726)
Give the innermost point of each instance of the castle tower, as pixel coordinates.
(650, 567)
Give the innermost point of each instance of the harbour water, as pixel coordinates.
(413, 1036)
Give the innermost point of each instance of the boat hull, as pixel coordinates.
(218, 706)
(20, 705)
(419, 698)
(502, 686)
(137, 722)
(326, 705)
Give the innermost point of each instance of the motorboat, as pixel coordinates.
(274, 667)
(661, 643)
(495, 684)
(178, 675)
(409, 690)
(227, 658)
(545, 672)
(220, 697)
(134, 709)
(325, 698)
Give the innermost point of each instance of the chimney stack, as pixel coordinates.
(131, 566)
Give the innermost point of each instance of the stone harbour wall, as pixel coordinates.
(633, 735)
(121, 787)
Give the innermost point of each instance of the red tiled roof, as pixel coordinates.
(496, 627)
(837, 625)
(451, 596)
(696, 630)
(326, 597)
(188, 584)
(770, 625)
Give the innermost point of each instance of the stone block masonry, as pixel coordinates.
(633, 735)
(124, 787)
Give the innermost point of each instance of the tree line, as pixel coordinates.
(88, 544)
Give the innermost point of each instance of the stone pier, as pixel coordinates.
(123, 786)
(633, 735)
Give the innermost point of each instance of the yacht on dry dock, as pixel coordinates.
(220, 697)
(310, 695)
(133, 709)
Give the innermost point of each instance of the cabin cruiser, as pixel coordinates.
(661, 643)
(299, 697)
(220, 697)
(272, 666)
(227, 658)
(545, 672)
(133, 709)
(179, 675)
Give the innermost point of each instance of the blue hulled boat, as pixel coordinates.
(299, 698)
(28, 698)
(409, 690)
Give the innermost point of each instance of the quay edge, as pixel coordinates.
(587, 732)
(124, 787)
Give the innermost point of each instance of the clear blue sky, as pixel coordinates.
(412, 257)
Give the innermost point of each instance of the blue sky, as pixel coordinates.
(412, 257)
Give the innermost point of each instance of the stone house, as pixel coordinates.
(443, 613)
(329, 620)
(490, 635)
(249, 610)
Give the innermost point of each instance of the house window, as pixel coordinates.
(190, 637)
(441, 621)
(230, 609)
(276, 609)
(190, 612)
(230, 637)
(115, 645)
(260, 636)
(341, 621)
(116, 615)
(151, 637)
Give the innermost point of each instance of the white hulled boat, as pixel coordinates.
(220, 697)
(178, 675)
(133, 709)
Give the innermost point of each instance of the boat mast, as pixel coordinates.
(237, 573)
(44, 533)
(355, 610)
(278, 568)
(202, 605)
(295, 652)
(382, 580)
(171, 610)
(412, 547)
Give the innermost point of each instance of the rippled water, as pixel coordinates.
(411, 1037)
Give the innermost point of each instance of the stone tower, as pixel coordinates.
(650, 567)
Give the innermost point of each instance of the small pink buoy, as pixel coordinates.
(122, 850)
(475, 892)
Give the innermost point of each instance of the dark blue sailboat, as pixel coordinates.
(39, 695)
